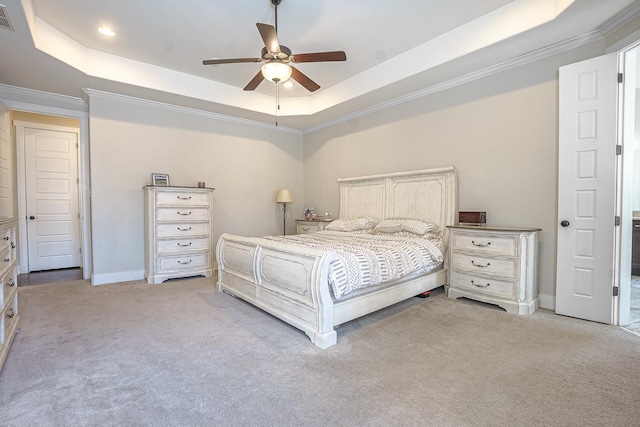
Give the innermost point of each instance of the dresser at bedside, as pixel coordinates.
(304, 226)
(495, 265)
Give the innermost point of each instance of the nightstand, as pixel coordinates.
(495, 265)
(304, 226)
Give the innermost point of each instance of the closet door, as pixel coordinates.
(587, 189)
(53, 220)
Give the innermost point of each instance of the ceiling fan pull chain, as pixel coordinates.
(277, 101)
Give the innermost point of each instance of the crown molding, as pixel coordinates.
(31, 100)
(565, 46)
(87, 93)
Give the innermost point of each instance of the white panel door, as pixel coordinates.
(53, 223)
(587, 189)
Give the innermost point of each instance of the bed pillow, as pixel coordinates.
(413, 226)
(352, 224)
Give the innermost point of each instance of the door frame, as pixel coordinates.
(622, 244)
(30, 101)
(21, 186)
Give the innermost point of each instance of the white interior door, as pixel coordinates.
(51, 178)
(587, 189)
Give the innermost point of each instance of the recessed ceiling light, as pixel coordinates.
(106, 31)
(288, 84)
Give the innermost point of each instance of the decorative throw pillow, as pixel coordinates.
(352, 224)
(415, 226)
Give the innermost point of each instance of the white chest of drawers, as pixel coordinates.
(495, 265)
(304, 226)
(9, 283)
(178, 232)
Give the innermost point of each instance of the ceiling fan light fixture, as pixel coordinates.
(276, 71)
(106, 31)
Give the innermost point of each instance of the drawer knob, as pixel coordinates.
(479, 285)
(183, 245)
(6, 238)
(306, 228)
(482, 245)
(183, 213)
(184, 198)
(184, 262)
(480, 265)
(184, 229)
(10, 313)
(7, 259)
(11, 283)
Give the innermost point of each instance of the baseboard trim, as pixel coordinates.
(122, 276)
(547, 301)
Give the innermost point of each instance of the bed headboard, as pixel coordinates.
(429, 195)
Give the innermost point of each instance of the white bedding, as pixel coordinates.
(369, 259)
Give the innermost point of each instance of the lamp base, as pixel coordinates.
(284, 219)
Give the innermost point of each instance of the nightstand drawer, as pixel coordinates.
(308, 228)
(482, 285)
(311, 226)
(477, 264)
(485, 243)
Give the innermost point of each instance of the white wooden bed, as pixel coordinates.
(290, 282)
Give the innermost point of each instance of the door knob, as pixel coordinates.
(32, 217)
(564, 223)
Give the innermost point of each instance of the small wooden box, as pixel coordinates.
(473, 218)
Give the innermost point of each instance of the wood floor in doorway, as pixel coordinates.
(49, 276)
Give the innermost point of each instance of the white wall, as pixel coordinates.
(129, 140)
(500, 133)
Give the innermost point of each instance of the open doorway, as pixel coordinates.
(631, 172)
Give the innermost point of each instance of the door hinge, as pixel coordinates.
(617, 221)
(80, 250)
(620, 78)
(618, 150)
(616, 291)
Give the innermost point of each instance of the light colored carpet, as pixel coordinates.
(182, 354)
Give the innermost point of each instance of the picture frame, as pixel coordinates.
(160, 179)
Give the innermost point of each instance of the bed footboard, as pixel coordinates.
(290, 285)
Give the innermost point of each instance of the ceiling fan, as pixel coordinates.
(278, 59)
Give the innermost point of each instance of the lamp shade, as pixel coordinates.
(284, 196)
(276, 71)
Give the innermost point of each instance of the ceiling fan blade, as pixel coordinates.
(253, 84)
(305, 81)
(319, 57)
(229, 61)
(270, 37)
